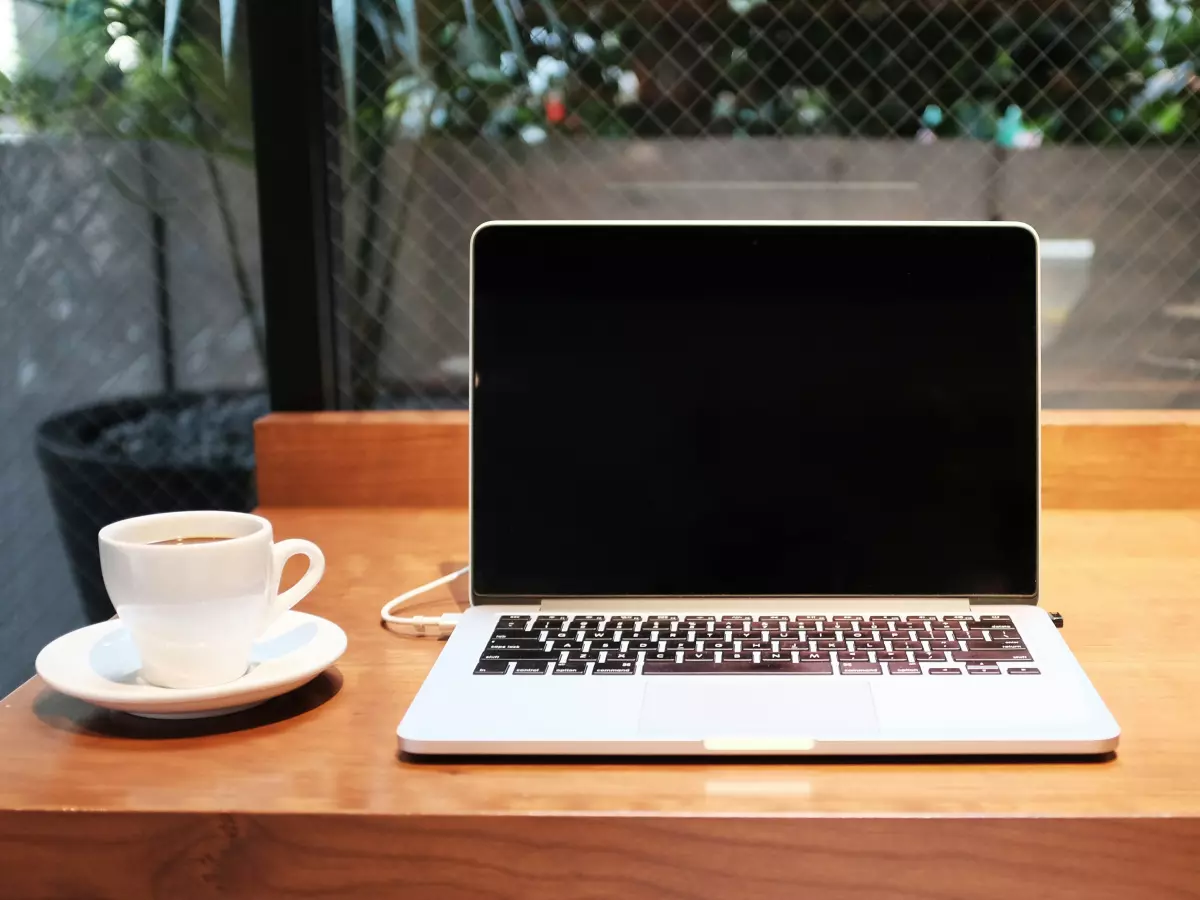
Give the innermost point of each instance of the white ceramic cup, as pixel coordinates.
(195, 610)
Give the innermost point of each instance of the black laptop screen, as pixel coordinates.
(754, 410)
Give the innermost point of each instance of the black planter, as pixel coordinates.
(147, 455)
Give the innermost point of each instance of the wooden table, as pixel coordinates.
(306, 797)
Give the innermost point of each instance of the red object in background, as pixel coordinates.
(556, 110)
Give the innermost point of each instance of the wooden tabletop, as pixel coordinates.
(308, 789)
(305, 796)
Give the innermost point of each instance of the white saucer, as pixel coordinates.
(100, 664)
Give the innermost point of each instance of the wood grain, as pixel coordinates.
(1128, 584)
(578, 858)
(1121, 459)
(384, 459)
(306, 797)
(1090, 459)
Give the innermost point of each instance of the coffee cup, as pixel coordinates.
(196, 589)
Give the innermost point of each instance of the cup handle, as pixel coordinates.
(281, 553)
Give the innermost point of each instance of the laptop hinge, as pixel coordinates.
(766, 605)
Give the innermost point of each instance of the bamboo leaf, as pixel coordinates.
(412, 37)
(170, 26)
(555, 20)
(228, 22)
(510, 29)
(474, 40)
(345, 24)
(378, 25)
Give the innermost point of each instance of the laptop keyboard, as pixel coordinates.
(750, 645)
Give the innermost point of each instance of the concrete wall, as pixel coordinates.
(78, 323)
(1140, 207)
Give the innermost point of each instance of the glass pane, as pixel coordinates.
(129, 253)
(1079, 118)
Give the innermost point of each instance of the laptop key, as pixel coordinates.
(891, 657)
(687, 667)
(570, 668)
(794, 644)
(613, 656)
(605, 644)
(492, 667)
(832, 645)
(1024, 671)
(979, 655)
(855, 656)
(860, 668)
(500, 646)
(566, 645)
(907, 645)
(583, 656)
(945, 671)
(870, 645)
(529, 667)
(782, 664)
(525, 655)
(996, 645)
(903, 668)
(944, 645)
(736, 663)
(619, 667)
(643, 645)
(930, 656)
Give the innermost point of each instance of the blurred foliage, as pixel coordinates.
(103, 78)
(1009, 72)
(1013, 72)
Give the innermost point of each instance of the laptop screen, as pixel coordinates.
(754, 410)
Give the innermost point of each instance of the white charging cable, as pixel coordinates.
(422, 626)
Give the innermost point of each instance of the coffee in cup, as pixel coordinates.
(196, 589)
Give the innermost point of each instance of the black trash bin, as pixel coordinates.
(133, 457)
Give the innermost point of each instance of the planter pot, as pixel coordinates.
(1066, 271)
(139, 456)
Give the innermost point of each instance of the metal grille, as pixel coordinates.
(129, 260)
(1077, 117)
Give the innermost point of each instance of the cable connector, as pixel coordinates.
(422, 626)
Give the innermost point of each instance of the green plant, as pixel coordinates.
(104, 87)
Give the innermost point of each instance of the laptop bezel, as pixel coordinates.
(477, 599)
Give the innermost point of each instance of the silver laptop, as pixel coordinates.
(755, 488)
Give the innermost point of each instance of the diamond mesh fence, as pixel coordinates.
(130, 324)
(1077, 117)
(128, 232)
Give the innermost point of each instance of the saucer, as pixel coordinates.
(100, 664)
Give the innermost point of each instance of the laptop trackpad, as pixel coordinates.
(699, 707)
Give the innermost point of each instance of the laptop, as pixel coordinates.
(755, 488)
